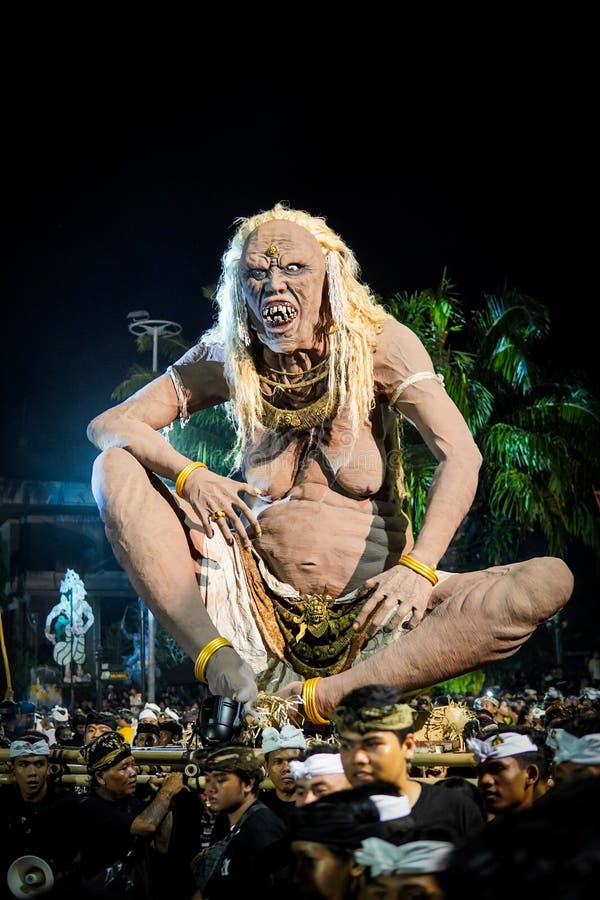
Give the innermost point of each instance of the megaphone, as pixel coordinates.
(29, 876)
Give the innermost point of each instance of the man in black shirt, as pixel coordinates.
(38, 817)
(250, 844)
(377, 741)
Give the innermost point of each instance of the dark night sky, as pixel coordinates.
(122, 196)
(126, 202)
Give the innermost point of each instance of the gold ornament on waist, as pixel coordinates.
(314, 614)
(272, 250)
(318, 635)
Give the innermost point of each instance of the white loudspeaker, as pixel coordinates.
(29, 876)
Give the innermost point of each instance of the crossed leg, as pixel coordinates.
(146, 532)
(475, 618)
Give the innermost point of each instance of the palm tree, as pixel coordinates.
(538, 436)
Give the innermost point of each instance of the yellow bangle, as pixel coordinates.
(420, 568)
(309, 690)
(206, 653)
(182, 477)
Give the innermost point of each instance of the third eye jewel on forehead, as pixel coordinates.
(278, 313)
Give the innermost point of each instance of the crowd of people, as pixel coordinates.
(332, 813)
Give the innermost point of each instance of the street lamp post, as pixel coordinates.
(141, 323)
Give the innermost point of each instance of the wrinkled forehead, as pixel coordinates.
(274, 239)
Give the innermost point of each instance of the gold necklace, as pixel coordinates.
(308, 417)
(293, 387)
(319, 365)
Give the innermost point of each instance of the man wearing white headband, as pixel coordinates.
(279, 749)
(574, 757)
(509, 767)
(37, 817)
(320, 772)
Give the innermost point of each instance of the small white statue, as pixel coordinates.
(66, 626)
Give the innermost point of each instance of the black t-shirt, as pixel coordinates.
(255, 854)
(47, 829)
(450, 809)
(282, 808)
(105, 833)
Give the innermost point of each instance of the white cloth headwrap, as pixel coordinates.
(24, 748)
(171, 714)
(584, 750)
(317, 764)
(288, 737)
(414, 858)
(390, 807)
(498, 746)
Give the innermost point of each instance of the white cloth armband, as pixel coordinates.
(184, 416)
(413, 379)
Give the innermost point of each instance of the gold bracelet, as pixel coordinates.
(309, 690)
(420, 568)
(182, 477)
(206, 653)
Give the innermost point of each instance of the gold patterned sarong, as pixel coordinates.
(311, 632)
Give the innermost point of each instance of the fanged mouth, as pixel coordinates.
(279, 313)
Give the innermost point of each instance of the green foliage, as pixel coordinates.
(208, 436)
(471, 682)
(538, 437)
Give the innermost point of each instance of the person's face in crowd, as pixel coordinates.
(504, 785)
(31, 776)
(310, 789)
(289, 283)
(318, 872)
(566, 771)
(402, 887)
(503, 711)
(225, 791)
(145, 739)
(434, 773)
(120, 779)
(63, 733)
(94, 729)
(278, 770)
(376, 755)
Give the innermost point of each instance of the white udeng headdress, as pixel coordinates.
(317, 764)
(498, 746)
(584, 750)
(413, 858)
(289, 737)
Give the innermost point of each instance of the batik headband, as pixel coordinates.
(395, 717)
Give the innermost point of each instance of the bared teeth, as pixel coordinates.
(277, 314)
